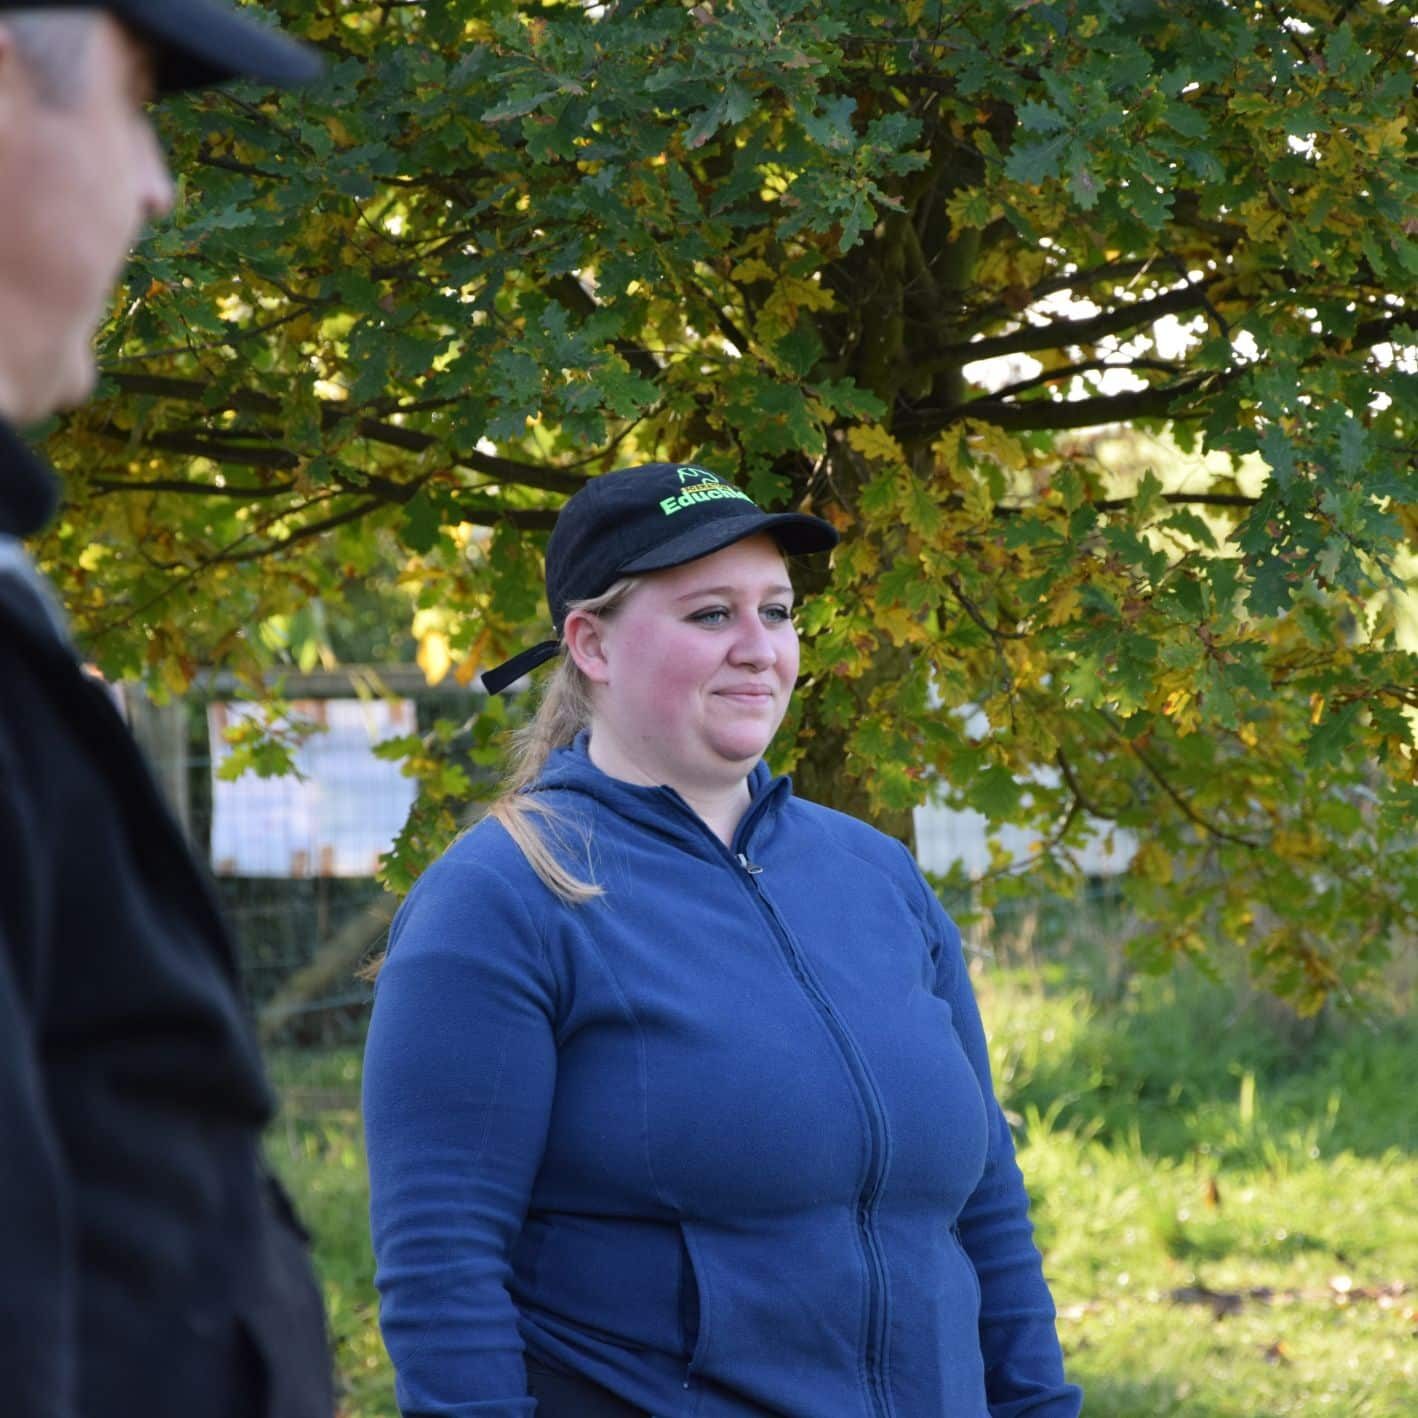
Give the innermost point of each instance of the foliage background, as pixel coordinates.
(897, 263)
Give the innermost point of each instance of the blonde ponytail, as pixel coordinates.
(562, 712)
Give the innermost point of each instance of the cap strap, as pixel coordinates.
(497, 679)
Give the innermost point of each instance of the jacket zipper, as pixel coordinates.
(737, 854)
(876, 1135)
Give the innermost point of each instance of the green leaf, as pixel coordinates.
(1039, 118)
(421, 522)
(1331, 736)
(733, 105)
(1353, 440)
(995, 793)
(518, 103)
(1035, 163)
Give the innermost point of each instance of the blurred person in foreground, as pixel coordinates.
(148, 1264)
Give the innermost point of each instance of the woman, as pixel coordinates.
(675, 1083)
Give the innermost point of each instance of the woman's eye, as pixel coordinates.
(777, 614)
(714, 615)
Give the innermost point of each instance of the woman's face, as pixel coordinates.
(694, 670)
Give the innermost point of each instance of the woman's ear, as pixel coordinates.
(585, 643)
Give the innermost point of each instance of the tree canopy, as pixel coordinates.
(908, 265)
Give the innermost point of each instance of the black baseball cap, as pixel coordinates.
(198, 43)
(648, 519)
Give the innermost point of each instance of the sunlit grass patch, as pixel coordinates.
(1226, 1215)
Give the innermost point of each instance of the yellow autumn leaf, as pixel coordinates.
(1386, 135)
(433, 656)
(900, 625)
(791, 295)
(173, 676)
(856, 560)
(876, 445)
(1263, 221)
(1063, 606)
(979, 504)
(993, 442)
(1295, 845)
(754, 269)
(1153, 862)
(948, 449)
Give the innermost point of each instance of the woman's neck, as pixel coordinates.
(720, 805)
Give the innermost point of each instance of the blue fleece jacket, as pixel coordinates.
(722, 1140)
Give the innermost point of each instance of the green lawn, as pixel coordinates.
(1227, 1202)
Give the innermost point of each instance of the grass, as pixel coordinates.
(1225, 1198)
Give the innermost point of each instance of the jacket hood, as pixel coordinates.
(660, 809)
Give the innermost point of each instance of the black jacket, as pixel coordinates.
(148, 1266)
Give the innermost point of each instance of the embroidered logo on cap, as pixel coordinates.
(704, 486)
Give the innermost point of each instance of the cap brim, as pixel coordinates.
(200, 43)
(797, 533)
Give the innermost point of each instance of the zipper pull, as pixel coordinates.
(748, 866)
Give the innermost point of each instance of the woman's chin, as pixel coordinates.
(745, 746)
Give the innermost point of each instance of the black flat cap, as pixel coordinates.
(198, 43)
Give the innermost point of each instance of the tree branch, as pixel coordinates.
(975, 614)
(412, 440)
(1058, 333)
(301, 534)
(1185, 807)
(1087, 366)
(189, 486)
(217, 450)
(1050, 413)
(1083, 800)
(1110, 270)
(1183, 499)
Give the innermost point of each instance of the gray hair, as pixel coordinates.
(53, 46)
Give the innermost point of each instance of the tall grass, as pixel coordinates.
(1227, 1198)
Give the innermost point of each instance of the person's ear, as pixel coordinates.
(584, 634)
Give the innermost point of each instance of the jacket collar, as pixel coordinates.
(29, 492)
(661, 810)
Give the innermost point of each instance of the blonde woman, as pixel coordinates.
(676, 1095)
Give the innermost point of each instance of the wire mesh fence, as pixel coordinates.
(293, 858)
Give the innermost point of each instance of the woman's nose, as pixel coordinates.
(753, 645)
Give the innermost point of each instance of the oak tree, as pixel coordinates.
(917, 267)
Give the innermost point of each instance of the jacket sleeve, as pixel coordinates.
(459, 1073)
(1024, 1375)
(38, 1299)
